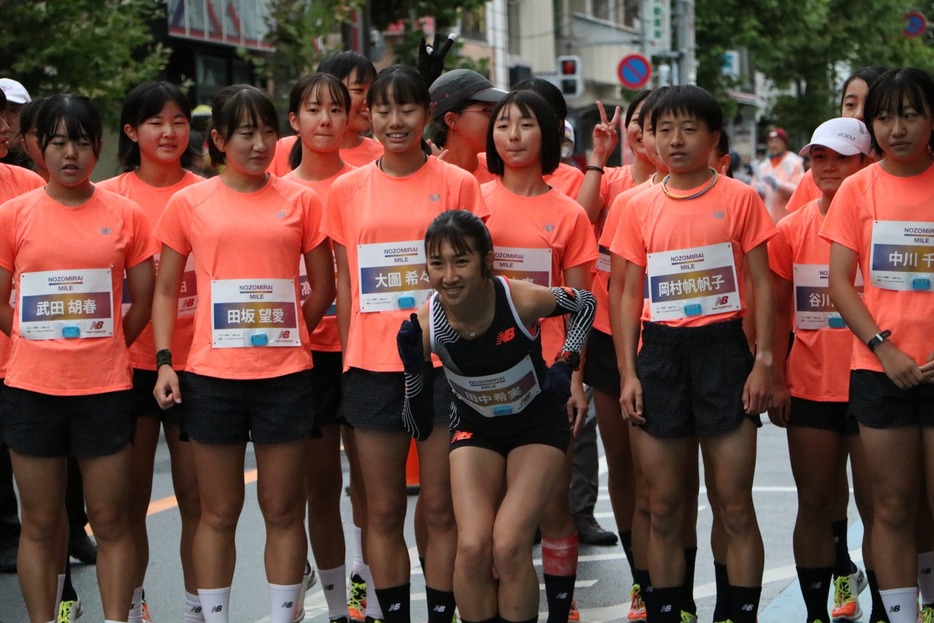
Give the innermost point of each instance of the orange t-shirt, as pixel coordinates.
(805, 192)
(482, 172)
(243, 243)
(818, 366)
(867, 200)
(566, 179)
(381, 221)
(325, 337)
(14, 181)
(152, 200)
(680, 232)
(364, 153)
(601, 278)
(537, 239)
(613, 182)
(108, 233)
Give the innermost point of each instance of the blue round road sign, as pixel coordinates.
(634, 71)
(915, 24)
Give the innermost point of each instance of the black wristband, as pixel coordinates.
(163, 358)
(877, 339)
(593, 167)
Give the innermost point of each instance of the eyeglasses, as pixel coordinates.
(486, 110)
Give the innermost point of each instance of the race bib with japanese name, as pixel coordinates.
(813, 308)
(66, 304)
(498, 394)
(304, 287)
(187, 289)
(603, 260)
(687, 283)
(902, 255)
(254, 312)
(524, 264)
(393, 276)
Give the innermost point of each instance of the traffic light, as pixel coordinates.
(569, 76)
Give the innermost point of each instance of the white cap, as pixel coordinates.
(845, 135)
(15, 92)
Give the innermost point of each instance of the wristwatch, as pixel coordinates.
(573, 359)
(877, 339)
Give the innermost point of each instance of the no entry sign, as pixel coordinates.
(634, 71)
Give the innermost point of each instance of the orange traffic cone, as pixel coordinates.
(412, 482)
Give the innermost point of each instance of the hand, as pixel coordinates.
(578, 407)
(431, 57)
(771, 181)
(166, 391)
(605, 136)
(409, 343)
(630, 400)
(437, 152)
(780, 407)
(757, 392)
(899, 367)
(558, 381)
(928, 369)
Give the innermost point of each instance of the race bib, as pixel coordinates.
(304, 287)
(393, 276)
(524, 264)
(66, 304)
(603, 260)
(902, 256)
(498, 394)
(687, 283)
(813, 309)
(254, 312)
(187, 289)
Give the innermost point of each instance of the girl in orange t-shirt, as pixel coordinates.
(377, 216)
(318, 110)
(67, 246)
(156, 121)
(247, 376)
(881, 223)
(543, 236)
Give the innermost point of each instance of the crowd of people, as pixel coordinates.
(417, 260)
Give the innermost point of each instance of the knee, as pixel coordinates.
(737, 516)
(284, 514)
(474, 554)
(108, 523)
(221, 517)
(385, 516)
(510, 554)
(666, 515)
(895, 512)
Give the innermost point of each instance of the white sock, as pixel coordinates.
(136, 606)
(358, 563)
(58, 590)
(282, 598)
(926, 577)
(192, 609)
(107, 621)
(373, 608)
(901, 604)
(215, 604)
(334, 585)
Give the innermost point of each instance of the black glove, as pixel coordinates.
(431, 63)
(409, 343)
(558, 381)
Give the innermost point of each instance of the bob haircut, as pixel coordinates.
(342, 64)
(29, 116)
(465, 232)
(143, 102)
(81, 119)
(237, 105)
(306, 86)
(550, 93)
(399, 84)
(690, 101)
(631, 110)
(866, 74)
(645, 116)
(890, 92)
(530, 104)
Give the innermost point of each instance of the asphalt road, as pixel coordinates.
(603, 575)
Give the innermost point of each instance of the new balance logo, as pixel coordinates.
(665, 608)
(396, 607)
(461, 435)
(561, 596)
(329, 587)
(925, 571)
(895, 609)
(439, 609)
(505, 336)
(748, 608)
(217, 609)
(287, 605)
(816, 585)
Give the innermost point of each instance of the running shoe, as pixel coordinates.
(846, 590)
(356, 604)
(574, 614)
(636, 605)
(145, 615)
(372, 620)
(688, 617)
(69, 611)
(340, 620)
(309, 579)
(926, 615)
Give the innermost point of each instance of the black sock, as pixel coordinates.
(878, 608)
(440, 605)
(842, 564)
(559, 591)
(815, 587)
(663, 605)
(394, 603)
(495, 619)
(690, 560)
(744, 602)
(532, 620)
(721, 609)
(68, 589)
(626, 539)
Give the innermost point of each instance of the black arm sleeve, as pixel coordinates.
(582, 306)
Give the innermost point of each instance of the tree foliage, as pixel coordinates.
(99, 48)
(806, 47)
